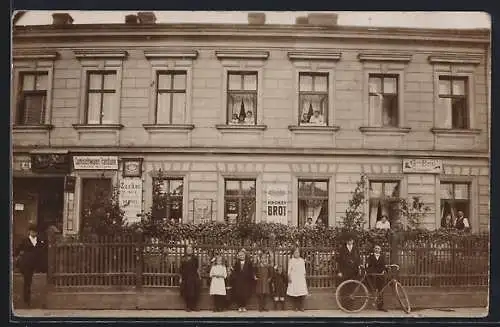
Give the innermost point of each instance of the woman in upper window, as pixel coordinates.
(383, 223)
(249, 120)
(317, 118)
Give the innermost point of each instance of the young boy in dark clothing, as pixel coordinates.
(279, 283)
(375, 264)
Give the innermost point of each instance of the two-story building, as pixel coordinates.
(249, 121)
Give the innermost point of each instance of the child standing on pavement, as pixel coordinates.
(279, 282)
(263, 274)
(218, 273)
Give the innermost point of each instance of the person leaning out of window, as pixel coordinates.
(383, 223)
(317, 118)
(462, 222)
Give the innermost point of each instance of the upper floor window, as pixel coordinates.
(171, 97)
(452, 103)
(32, 98)
(101, 97)
(313, 202)
(383, 100)
(168, 198)
(313, 99)
(383, 201)
(242, 98)
(239, 200)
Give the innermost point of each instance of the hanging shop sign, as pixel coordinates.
(130, 198)
(277, 203)
(428, 166)
(202, 210)
(132, 167)
(50, 163)
(95, 162)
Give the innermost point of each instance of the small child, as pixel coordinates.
(263, 274)
(279, 283)
(218, 274)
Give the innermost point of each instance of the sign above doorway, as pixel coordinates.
(50, 163)
(95, 162)
(424, 166)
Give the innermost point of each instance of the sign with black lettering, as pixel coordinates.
(277, 203)
(422, 166)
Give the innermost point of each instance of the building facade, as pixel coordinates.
(260, 122)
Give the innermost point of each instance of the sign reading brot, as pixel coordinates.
(277, 203)
(430, 166)
(95, 162)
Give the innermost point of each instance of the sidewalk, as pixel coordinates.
(432, 313)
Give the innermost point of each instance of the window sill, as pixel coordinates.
(101, 127)
(313, 129)
(455, 131)
(241, 127)
(32, 128)
(369, 130)
(168, 127)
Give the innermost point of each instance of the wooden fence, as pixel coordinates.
(130, 261)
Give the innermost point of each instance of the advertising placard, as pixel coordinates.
(277, 203)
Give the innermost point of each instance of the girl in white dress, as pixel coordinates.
(297, 287)
(218, 273)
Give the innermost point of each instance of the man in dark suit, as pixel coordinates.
(29, 257)
(348, 266)
(376, 265)
(243, 279)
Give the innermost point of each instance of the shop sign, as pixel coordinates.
(202, 210)
(277, 203)
(429, 166)
(95, 162)
(50, 163)
(130, 198)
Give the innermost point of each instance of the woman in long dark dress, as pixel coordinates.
(190, 279)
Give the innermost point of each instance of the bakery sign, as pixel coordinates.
(429, 166)
(95, 162)
(130, 198)
(277, 203)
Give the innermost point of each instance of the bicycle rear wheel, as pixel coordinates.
(402, 297)
(351, 296)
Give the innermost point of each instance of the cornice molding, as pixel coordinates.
(100, 53)
(324, 55)
(241, 54)
(170, 54)
(385, 56)
(34, 55)
(455, 58)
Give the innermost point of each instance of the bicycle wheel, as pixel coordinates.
(352, 296)
(402, 297)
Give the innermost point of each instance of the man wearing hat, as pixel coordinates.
(29, 255)
(348, 262)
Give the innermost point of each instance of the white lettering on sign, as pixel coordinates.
(429, 166)
(130, 198)
(277, 203)
(96, 162)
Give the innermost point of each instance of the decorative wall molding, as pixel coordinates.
(100, 53)
(455, 58)
(314, 55)
(34, 55)
(242, 54)
(385, 56)
(170, 54)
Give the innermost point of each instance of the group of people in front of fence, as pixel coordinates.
(246, 277)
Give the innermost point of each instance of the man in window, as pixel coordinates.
(317, 118)
(462, 223)
(383, 223)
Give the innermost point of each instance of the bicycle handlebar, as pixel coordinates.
(392, 265)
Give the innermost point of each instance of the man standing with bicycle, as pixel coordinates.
(348, 262)
(375, 267)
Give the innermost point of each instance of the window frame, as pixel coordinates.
(101, 91)
(170, 91)
(327, 198)
(389, 178)
(239, 197)
(328, 93)
(382, 77)
(468, 101)
(182, 197)
(255, 94)
(21, 99)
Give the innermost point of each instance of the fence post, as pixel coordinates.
(139, 259)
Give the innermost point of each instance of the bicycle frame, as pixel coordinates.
(390, 281)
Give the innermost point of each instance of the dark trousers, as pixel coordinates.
(219, 302)
(262, 299)
(27, 280)
(191, 302)
(241, 300)
(377, 283)
(297, 302)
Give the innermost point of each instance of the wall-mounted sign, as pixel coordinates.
(130, 198)
(429, 166)
(202, 210)
(50, 163)
(132, 167)
(95, 162)
(277, 203)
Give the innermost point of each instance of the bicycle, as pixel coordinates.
(352, 295)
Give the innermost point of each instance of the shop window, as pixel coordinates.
(452, 103)
(242, 98)
(239, 200)
(313, 202)
(168, 198)
(171, 97)
(383, 100)
(455, 197)
(101, 98)
(32, 98)
(313, 99)
(96, 194)
(384, 200)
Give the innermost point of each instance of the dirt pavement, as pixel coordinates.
(455, 312)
